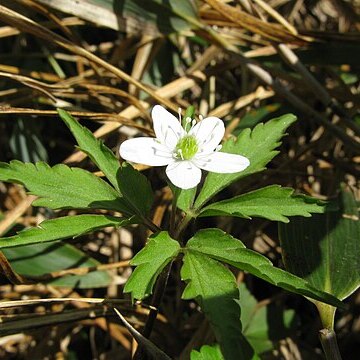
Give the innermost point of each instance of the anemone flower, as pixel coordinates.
(185, 151)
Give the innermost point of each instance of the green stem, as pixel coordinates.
(329, 344)
(182, 226)
(327, 315)
(173, 215)
(327, 335)
(153, 227)
(163, 278)
(162, 282)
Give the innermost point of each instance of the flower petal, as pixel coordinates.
(147, 151)
(167, 127)
(183, 174)
(221, 162)
(208, 132)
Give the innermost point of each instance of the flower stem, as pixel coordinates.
(173, 215)
(164, 276)
(182, 226)
(154, 309)
(153, 227)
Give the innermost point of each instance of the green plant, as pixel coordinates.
(206, 255)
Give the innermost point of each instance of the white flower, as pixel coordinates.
(184, 152)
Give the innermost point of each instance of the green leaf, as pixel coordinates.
(149, 16)
(207, 352)
(26, 142)
(257, 145)
(129, 182)
(214, 288)
(325, 249)
(184, 198)
(170, 15)
(150, 261)
(40, 259)
(163, 66)
(263, 324)
(222, 246)
(136, 189)
(62, 187)
(255, 116)
(62, 228)
(272, 202)
(99, 153)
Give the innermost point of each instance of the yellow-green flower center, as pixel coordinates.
(187, 147)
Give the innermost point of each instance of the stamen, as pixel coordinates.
(201, 118)
(218, 148)
(181, 154)
(179, 113)
(187, 147)
(187, 124)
